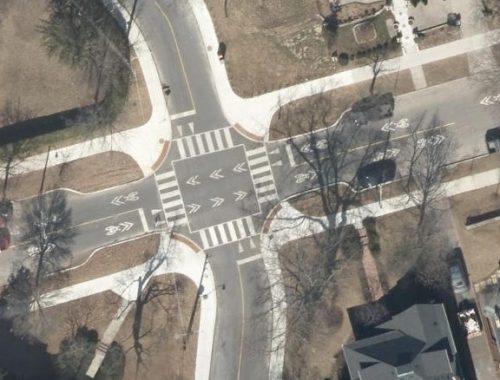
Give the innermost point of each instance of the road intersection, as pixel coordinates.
(216, 186)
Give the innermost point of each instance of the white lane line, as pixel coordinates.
(249, 259)
(143, 220)
(182, 114)
(289, 153)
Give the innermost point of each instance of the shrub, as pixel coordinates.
(343, 59)
(4, 238)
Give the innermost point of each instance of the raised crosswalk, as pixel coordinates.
(171, 198)
(206, 142)
(227, 232)
(262, 176)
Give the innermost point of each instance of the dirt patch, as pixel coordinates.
(318, 355)
(106, 261)
(439, 36)
(95, 312)
(479, 245)
(339, 100)
(364, 32)
(164, 325)
(102, 170)
(446, 70)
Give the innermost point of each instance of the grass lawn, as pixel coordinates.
(108, 260)
(45, 86)
(102, 170)
(446, 70)
(439, 36)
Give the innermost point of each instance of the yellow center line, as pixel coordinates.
(178, 52)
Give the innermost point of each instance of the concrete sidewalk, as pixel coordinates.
(289, 224)
(255, 114)
(173, 256)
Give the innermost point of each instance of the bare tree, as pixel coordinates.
(430, 150)
(48, 233)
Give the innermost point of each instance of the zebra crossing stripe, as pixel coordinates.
(256, 161)
(256, 151)
(260, 170)
(199, 144)
(190, 146)
(173, 213)
(204, 240)
(166, 185)
(265, 189)
(162, 176)
(180, 146)
(229, 139)
(263, 179)
(223, 235)
(172, 203)
(170, 194)
(232, 231)
(218, 140)
(210, 143)
(213, 236)
(250, 225)
(241, 228)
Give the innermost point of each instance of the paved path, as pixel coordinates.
(174, 256)
(289, 224)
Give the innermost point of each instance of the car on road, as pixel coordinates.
(376, 173)
(493, 140)
(458, 275)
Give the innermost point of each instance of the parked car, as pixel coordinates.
(221, 51)
(493, 140)
(458, 274)
(376, 173)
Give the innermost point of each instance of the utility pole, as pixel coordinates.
(132, 14)
(44, 171)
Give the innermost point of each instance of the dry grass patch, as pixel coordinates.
(340, 100)
(317, 355)
(107, 260)
(163, 326)
(439, 36)
(89, 174)
(26, 72)
(479, 245)
(61, 321)
(446, 70)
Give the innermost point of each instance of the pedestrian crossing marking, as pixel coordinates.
(205, 142)
(227, 232)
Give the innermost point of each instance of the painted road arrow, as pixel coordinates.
(240, 195)
(217, 201)
(193, 181)
(487, 101)
(239, 168)
(193, 207)
(216, 174)
(125, 226)
(117, 201)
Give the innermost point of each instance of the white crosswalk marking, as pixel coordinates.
(171, 198)
(262, 175)
(218, 235)
(205, 142)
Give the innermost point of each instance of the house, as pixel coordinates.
(415, 344)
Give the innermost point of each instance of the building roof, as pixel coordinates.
(415, 344)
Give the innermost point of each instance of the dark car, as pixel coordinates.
(221, 51)
(493, 140)
(458, 274)
(376, 173)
